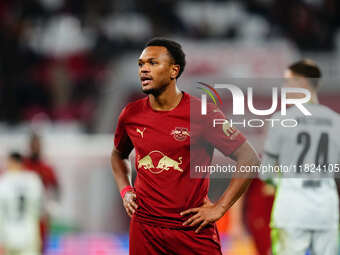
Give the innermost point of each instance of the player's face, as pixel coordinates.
(10, 163)
(156, 69)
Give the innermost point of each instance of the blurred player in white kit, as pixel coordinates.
(21, 196)
(305, 213)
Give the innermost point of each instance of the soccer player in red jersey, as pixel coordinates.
(35, 163)
(170, 212)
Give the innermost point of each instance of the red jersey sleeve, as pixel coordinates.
(122, 140)
(50, 178)
(219, 132)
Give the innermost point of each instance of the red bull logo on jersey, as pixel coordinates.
(180, 134)
(164, 164)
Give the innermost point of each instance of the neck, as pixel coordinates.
(167, 100)
(314, 98)
(15, 168)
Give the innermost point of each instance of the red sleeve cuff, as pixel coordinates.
(126, 189)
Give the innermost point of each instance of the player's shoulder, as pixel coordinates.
(196, 104)
(134, 107)
(291, 112)
(6, 177)
(45, 166)
(325, 110)
(192, 99)
(332, 115)
(315, 110)
(31, 176)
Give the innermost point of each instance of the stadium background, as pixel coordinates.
(67, 68)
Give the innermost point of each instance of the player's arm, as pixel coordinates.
(233, 144)
(121, 166)
(209, 212)
(54, 187)
(121, 169)
(122, 174)
(245, 155)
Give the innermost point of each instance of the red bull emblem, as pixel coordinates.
(180, 134)
(164, 164)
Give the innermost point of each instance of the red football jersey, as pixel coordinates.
(164, 141)
(44, 171)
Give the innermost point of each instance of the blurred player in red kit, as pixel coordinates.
(35, 163)
(257, 208)
(170, 211)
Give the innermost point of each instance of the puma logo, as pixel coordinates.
(140, 132)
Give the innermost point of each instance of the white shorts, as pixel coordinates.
(298, 241)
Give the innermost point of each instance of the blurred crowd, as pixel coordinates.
(55, 53)
(311, 24)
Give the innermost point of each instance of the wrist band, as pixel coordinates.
(126, 189)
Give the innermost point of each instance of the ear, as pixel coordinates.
(174, 71)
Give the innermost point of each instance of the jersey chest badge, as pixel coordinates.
(180, 134)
